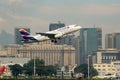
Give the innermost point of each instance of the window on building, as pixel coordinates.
(109, 57)
(103, 57)
(106, 57)
(109, 66)
(98, 65)
(114, 57)
(109, 69)
(94, 65)
(103, 65)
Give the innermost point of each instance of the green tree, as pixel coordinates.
(41, 69)
(83, 68)
(51, 70)
(29, 67)
(16, 69)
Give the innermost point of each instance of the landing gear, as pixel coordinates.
(54, 40)
(59, 38)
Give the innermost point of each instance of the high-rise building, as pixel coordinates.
(54, 26)
(90, 40)
(18, 36)
(76, 44)
(112, 40)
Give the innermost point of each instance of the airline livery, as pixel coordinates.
(50, 35)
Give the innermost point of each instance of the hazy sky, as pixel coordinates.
(39, 13)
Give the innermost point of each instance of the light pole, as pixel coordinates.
(32, 53)
(62, 70)
(34, 63)
(34, 67)
(88, 66)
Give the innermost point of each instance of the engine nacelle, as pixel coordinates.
(64, 36)
(59, 35)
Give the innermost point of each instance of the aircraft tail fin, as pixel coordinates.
(26, 35)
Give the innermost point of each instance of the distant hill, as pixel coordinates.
(6, 38)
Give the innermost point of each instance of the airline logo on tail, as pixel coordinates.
(26, 35)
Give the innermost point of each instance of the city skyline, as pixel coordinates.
(39, 14)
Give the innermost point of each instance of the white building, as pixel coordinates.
(104, 69)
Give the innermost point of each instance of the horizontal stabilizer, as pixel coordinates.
(28, 41)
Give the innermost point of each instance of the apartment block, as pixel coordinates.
(112, 68)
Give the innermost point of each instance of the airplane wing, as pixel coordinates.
(47, 35)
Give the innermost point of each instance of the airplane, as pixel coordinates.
(2, 69)
(50, 35)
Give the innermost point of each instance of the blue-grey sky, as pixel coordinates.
(39, 13)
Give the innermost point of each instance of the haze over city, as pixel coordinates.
(38, 14)
(90, 49)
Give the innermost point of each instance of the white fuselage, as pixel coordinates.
(59, 33)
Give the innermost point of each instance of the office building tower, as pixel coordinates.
(54, 26)
(112, 40)
(90, 40)
(77, 49)
(18, 36)
(105, 56)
